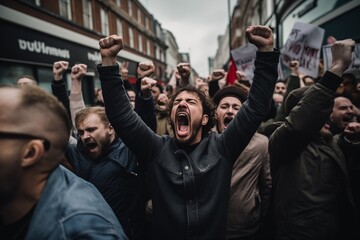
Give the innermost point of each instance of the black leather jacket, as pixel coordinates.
(190, 191)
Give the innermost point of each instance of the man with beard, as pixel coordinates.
(315, 175)
(189, 175)
(101, 158)
(39, 199)
(251, 180)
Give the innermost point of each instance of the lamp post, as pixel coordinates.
(229, 13)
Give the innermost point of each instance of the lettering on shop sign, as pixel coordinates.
(41, 47)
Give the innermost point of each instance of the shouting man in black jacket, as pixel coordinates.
(190, 173)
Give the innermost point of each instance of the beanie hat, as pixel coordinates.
(230, 91)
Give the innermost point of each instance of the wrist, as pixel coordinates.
(266, 48)
(337, 69)
(108, 61)
(57, 77)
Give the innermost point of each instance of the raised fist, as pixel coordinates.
(59, 68)
(78, 71)
(145, 69)
(146, 85)
(109, 48)
(261, 36)
(341, 55)
(217, 74)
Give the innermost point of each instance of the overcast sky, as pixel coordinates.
(195, 24)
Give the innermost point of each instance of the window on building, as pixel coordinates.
(147, 23)
(140, 43)
(65, 9)
(34, 2)
(148, 50)
(119, 28)
(118, 3)
(157, 53)
(130, 8)
(131, 37)
(87, 14)
(139, 15)
(104, 22)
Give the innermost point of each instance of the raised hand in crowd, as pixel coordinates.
(294, 68)
(124, 70)
(109, 48)
(217, 81)
(352, 132)
(59, 68)
(184, 70)
(145, 69)
(146, 86)
(217, 75)
(78, 71)
(261, 36)
(341, 52)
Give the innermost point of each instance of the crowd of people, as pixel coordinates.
(271, 159)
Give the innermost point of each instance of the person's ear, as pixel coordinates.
(205, 119)
(33, 151)
(111, 130)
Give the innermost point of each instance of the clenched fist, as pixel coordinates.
(261, 36)
(109, 48)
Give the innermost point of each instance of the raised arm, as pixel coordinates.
(138, 137)
(216, 76)
(58, 85)
(238, 134)
(306, 120)
(78, 71)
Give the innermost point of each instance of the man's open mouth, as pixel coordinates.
(91, 146)
(182, 121)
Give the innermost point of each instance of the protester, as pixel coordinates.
(190, 173)
(163, 126)
(251, 180)
(39, 199)
(100, 157)
(312, 170)
(342, 114)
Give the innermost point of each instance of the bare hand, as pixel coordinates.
(146, 85)
(78, 71)
(352, 131)
(109, 48)
(240, 75)
(341, 56)
(59, 68)
(145, 69)
(261, 36)
(217, 74)
(124, 71)
(294, 67)
(184, 70)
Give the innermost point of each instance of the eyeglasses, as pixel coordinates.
(10, 135)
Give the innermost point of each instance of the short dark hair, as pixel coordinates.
(206, 102)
